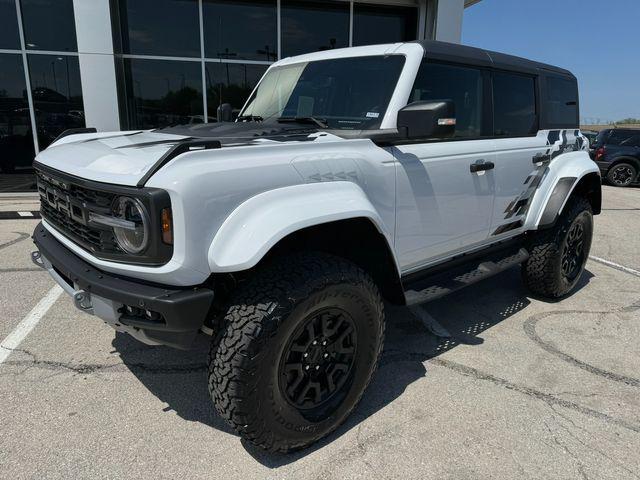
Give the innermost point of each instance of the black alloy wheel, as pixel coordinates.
(573, 252)
(317, 361)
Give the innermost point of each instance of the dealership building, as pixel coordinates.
(139, 64)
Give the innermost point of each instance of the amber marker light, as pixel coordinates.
(167, 226)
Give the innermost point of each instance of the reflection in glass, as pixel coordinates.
(16, 138)
(463, 85)
(230, 83)
(49, 25)
(57, 95)
(160, 27)
(514, 104)
(8, 25)
(312, 26)
(240, 29)
(562, 102)
(344, 93)
(373, 24)
(159, 93)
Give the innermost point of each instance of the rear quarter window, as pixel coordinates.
(602, 135)
(561, 104)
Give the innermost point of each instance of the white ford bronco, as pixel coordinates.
(394, 173)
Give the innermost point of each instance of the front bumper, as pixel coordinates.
(154, 314)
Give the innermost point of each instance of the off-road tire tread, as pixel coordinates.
(538, 272)
(253, 318)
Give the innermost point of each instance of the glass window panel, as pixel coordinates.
(9, 37)
(240, 29)
(347, 93)
(462, 85)
(57, 95)
(16, 136)
(624, 138)
(374, 24)
(514, 104)
(562, 102)
(159, 93)
(49, 25)
(230, 83)
(312, 26)
(160, 27)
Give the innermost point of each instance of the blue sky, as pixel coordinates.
(598, 40)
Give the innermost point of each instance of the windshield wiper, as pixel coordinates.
(320, 122)
(250, 118)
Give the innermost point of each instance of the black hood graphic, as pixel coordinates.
(244, 133)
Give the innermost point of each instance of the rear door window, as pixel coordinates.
(635, 141)
(624, 138)
(463, 85)
(514, 105)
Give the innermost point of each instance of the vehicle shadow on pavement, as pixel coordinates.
(180, 378)
(177, 378)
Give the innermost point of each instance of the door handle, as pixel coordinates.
(541, 158)
(481, 167)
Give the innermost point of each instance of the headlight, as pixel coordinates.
(134, 237)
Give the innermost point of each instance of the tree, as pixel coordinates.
(627, 121)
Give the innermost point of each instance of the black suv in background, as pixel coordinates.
(617, 153)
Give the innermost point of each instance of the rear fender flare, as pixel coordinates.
(565, 174)
(260, 222)
(625, 159)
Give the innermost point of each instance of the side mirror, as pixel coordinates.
(428, 119)
(224, 112)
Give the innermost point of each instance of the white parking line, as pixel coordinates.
(622, 268)
(15, 338)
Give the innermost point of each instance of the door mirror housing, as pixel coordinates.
(427, 119)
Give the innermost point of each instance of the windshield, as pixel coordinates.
(345, 93)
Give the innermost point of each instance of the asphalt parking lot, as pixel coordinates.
(522, 389)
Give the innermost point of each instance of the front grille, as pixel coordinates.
(67, 203)
(66, 206)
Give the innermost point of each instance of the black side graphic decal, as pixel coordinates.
(557, 145)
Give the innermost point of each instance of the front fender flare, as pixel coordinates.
(259, 223)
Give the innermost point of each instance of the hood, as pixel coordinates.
(124, 158)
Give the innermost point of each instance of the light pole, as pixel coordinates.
(55, 80)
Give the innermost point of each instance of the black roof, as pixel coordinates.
(456, 53)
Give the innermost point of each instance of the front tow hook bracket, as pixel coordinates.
(82, 301)
(36, 258)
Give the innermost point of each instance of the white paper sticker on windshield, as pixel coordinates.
(373, 114)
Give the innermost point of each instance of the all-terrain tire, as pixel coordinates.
(543, 272)
(247, 373)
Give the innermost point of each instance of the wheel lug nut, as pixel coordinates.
(326, 355)
(324, 343)
(305, 355)
(307, 367)
(317, 367)
(315, 342)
